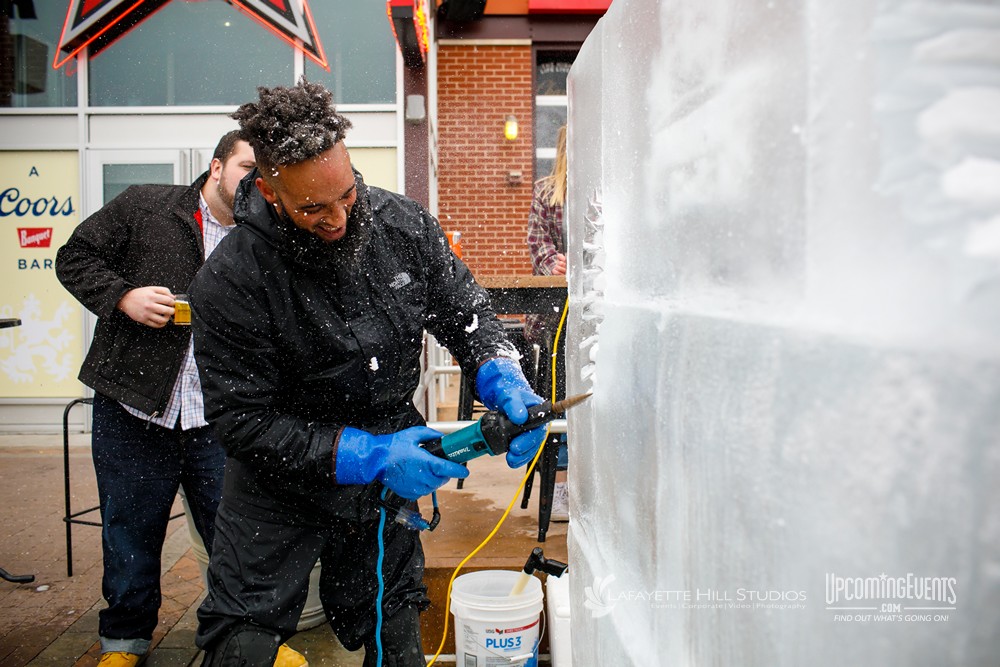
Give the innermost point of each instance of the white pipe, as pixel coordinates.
(559, 621)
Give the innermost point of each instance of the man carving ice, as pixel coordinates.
(308, 326)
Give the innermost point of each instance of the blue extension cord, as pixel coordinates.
(378, 572)
(381, 583)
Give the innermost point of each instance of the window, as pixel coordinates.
(194, 54)
(551, 70)
(190, 54)
(360, 50)
(118, 177)
(29, 36)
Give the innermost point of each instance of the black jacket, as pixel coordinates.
(289, 354)
(147, 235)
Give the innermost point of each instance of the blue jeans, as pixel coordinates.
(139, 468)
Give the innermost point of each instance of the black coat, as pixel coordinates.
(289, 355)
(145, 236)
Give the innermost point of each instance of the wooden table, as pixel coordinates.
(514, 295)
(522, 295)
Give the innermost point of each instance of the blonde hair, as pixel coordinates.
(554, 185)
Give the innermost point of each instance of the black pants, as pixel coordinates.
(259, 576)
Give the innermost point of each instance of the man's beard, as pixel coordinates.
(228, 197)
(315, 254)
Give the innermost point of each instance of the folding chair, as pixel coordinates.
(71, 517)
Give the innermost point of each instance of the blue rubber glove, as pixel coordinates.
(396, 460)
(502, 386)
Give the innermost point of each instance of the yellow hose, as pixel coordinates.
(517, 494)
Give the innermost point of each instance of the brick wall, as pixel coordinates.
(478, 86)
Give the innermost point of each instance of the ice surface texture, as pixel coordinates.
(784, 246)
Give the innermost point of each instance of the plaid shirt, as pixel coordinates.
(545, 240)
(545, 233)
(186, 400)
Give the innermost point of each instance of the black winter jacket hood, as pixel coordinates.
(293, 345)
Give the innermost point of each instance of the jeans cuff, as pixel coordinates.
(136, 646)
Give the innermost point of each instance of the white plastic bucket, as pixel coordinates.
(492, 627)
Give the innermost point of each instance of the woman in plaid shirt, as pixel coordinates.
(548, 258)
(545, 221)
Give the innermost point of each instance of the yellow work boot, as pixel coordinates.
(119, 659)
(288, 657)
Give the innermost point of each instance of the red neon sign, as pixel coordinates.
(98, 23)
(290, 22)
(90, 20)
(568, 6)
(409, 22)
(420, 23)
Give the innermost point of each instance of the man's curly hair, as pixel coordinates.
(288, 125)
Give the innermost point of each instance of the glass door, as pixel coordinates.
(551, 69)
(110, 172)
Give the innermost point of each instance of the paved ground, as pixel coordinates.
(53, 621)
